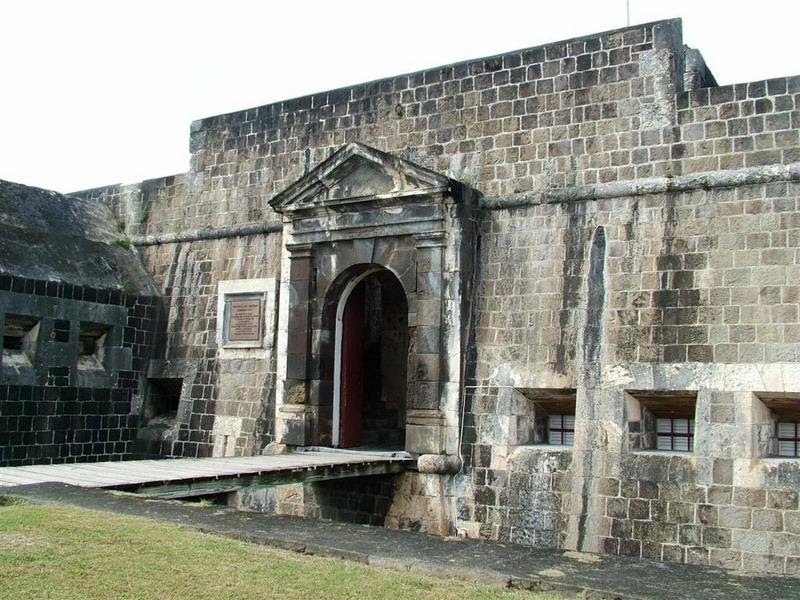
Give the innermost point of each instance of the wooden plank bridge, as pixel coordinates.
(187, 477)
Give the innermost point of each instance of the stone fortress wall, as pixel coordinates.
(638, 248)
(78, 319)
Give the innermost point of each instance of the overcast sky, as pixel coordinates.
(100, 92)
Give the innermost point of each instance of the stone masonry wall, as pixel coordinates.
(636, 235)
(522, 122)
(363, 500)
(593, 110)
(741, 125)
(703, 276)
(226, 395)
(662, 510)
(705, 281)
(569, 113)
(240, 390)
(514, 492)
(53, 410)
(155, 205)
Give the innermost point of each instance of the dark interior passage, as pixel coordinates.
(383, 355)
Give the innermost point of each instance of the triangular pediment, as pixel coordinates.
(355, 173)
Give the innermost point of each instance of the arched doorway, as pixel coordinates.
(363, 210)
(370, 362)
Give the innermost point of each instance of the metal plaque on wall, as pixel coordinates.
(244, 319)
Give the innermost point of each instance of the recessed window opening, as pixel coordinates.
(19, 339)
(661, 420)
(91, 345)
(12, 342)
(782, 425)
(163, 398)
(547, 416)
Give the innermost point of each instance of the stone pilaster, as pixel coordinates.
(293, 411)
(424, 429)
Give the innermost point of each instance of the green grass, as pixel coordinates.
(125, 244)
(58, 552)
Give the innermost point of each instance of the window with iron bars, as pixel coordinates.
(674, 434)
(788, 439)
(561, 430)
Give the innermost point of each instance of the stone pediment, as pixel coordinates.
(358, 173)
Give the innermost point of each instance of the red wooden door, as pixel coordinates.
(351, 398)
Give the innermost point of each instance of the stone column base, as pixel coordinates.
(293, 425)
(439, 464)
(425, 431)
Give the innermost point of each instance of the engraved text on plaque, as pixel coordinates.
(244, 319)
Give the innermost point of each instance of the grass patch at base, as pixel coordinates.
(65, 553)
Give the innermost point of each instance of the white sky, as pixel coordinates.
(100, 92)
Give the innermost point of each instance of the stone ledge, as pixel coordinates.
(650, 185)
(613, 189)
(208, 233)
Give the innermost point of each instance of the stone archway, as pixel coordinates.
(370, 362)
(408, 233)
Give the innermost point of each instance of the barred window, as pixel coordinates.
(675, 434)
(549, 417)
(788, 439)
(778, 423)
(561, 430)
(661, 419)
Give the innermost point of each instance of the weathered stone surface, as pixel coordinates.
(439, 463)
(592, 228)
(78, 316)
(51, 237)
